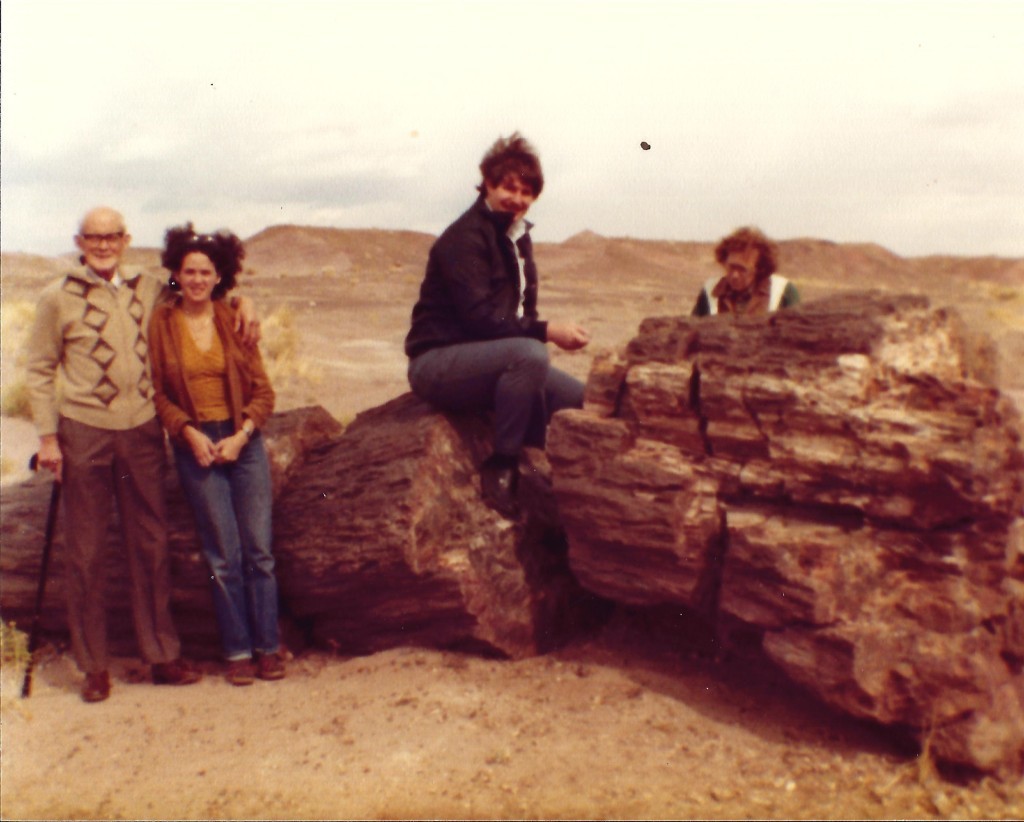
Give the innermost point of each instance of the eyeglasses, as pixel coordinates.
(99, 239)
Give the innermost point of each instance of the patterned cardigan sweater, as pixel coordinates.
(87, 352)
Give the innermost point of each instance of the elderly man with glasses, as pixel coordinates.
(100, 436)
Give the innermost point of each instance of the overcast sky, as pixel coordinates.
(887, 122)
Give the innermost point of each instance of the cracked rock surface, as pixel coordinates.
(839, 478)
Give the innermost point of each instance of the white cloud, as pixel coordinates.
(895, 123)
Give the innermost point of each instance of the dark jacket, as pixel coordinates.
(249, 391)
(471, 289)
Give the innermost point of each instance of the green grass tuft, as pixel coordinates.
(13, 645)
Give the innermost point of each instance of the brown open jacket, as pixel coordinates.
(250, 394)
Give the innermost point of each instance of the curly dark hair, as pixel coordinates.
(223, 249)
(748, 237)
(512, 155)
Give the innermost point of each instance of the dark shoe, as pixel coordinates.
(241, 672)
(270, 666)
(96, 687)
(499, 484)
(176, 672)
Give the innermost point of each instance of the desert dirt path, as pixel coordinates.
(618, 726)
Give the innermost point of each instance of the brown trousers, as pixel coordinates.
(99, 465)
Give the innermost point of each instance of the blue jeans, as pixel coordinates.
(231, 503)
(513, 376)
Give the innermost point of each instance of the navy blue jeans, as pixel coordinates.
(232, 503)
(512, 376)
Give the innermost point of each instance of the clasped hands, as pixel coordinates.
(207, 452)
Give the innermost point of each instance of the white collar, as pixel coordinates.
(114, 282)
(517, 229)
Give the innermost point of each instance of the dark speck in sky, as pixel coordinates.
(645, 146)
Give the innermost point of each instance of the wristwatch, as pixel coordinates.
(248, 428)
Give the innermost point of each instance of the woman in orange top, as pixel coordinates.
(213, 396)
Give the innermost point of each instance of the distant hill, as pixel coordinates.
(33, 266)
(350, 292)
(289, 250)
(286, 249)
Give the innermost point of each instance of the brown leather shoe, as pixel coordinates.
(96, 687)
(176, 672)
(241, 672)
(270, 666)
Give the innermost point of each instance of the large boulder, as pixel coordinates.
(383, 539)
(836, 478)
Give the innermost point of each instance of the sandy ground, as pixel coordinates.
(621, 725)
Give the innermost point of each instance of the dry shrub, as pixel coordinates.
(1008, 308)
(285, 367)
(981, 357)
(8, 466)
(1005, 293)
(13, 645)
(280, 339)
(14, 397)
(15, 320)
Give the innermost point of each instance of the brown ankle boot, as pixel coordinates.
(96, 687)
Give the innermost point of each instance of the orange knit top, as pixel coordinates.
(206, 373)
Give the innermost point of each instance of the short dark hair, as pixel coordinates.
(223, 249)
(512, 155)
(749, 237)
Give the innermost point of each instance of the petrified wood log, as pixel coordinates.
(383, 539)
(288, 437)
(835, 477)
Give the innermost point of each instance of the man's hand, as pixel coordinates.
(202, 446)
(50, 456)
(568, 336)
(246, 321)
(229, 448)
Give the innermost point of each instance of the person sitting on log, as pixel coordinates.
(213, 395)
(750, 284)
(476, 340)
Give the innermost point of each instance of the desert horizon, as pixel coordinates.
(351, 290)
(582, 235)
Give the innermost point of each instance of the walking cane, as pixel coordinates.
(44, 566)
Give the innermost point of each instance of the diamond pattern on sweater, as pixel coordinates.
(137, 311)
(95, 318)
(103, 353)
(105, 390)
(76, 287)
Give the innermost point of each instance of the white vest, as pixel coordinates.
(777, 287)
